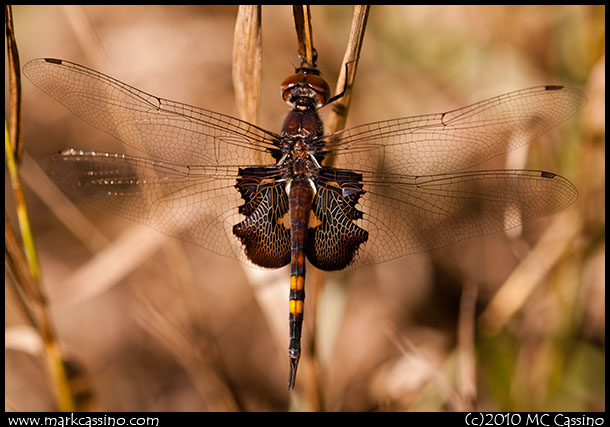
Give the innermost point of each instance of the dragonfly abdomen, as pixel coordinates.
(300, 199)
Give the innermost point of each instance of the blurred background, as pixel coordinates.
(508, 322)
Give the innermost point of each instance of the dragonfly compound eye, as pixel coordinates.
(304, 84)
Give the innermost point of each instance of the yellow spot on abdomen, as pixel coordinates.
(297, 282)
(296, 307)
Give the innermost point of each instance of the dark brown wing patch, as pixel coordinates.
(265, 238)
(334, 238)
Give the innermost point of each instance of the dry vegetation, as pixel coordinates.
(512, 321)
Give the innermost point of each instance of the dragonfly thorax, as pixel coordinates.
(299, 160)
(300, 142)
(302, 124)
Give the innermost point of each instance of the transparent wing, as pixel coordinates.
(410, 214)
(161, 128)
(410, 204)
(198, 204)
(454, 140)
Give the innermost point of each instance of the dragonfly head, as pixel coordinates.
(305, 89)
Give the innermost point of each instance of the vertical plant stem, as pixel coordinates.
(29, 289)
(25, 265)
(466, 353)
(347, 76)
(247, 61)
(22, 212)
(14, 84)
(302, 22)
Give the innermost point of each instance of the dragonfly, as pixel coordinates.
(359, 196)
